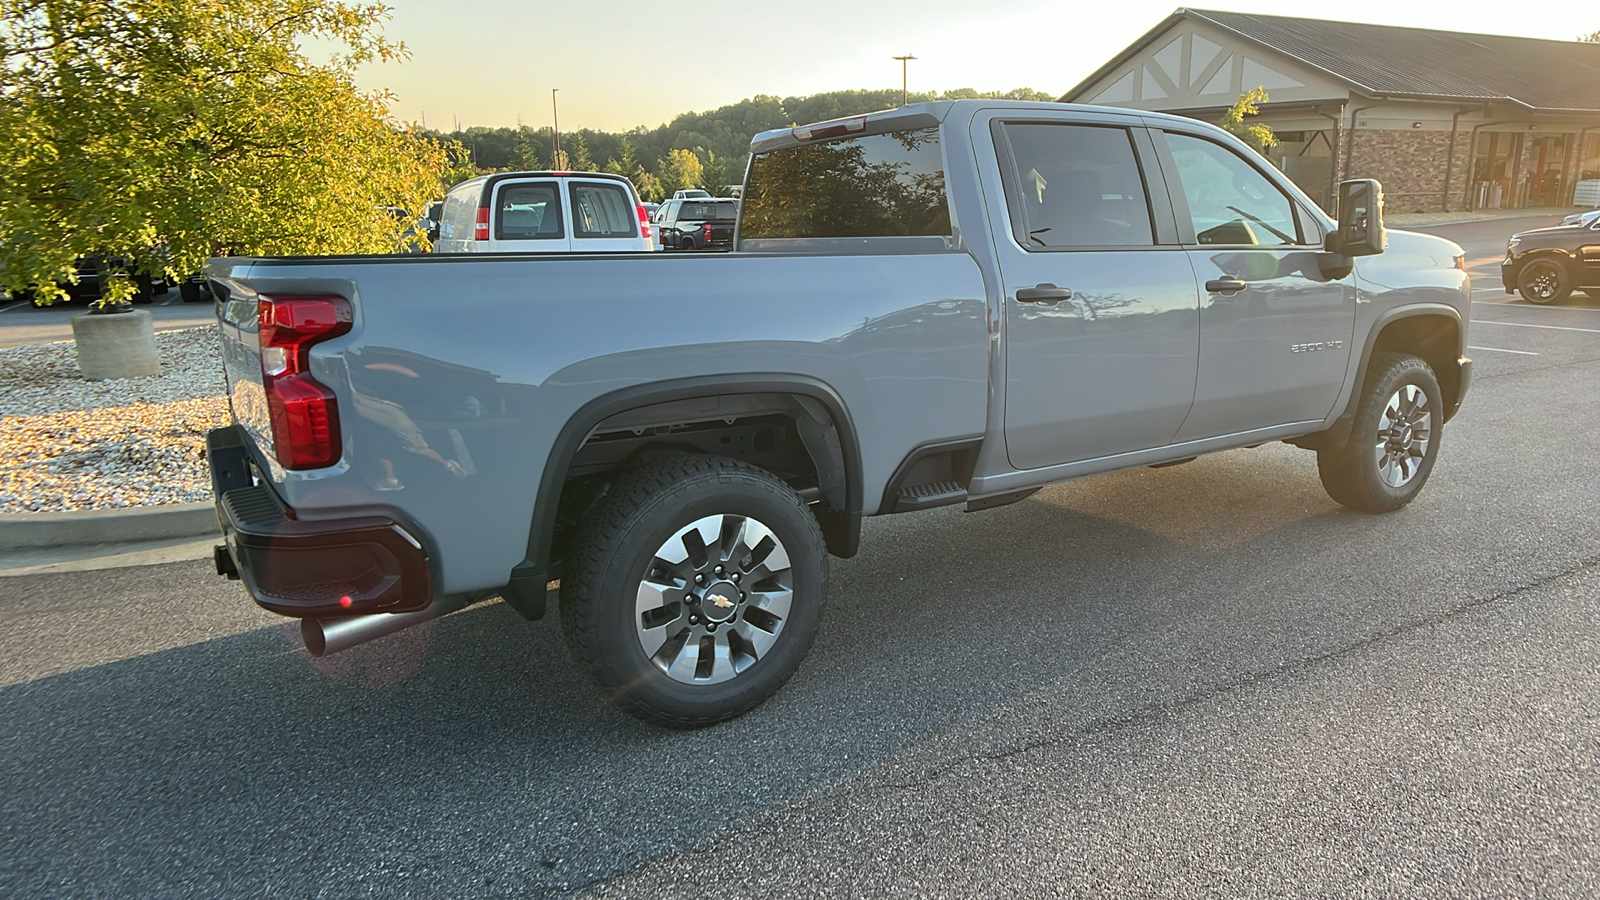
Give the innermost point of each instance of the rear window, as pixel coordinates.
(880, 185)
(603, 211)
(529, 212)
(709, 212)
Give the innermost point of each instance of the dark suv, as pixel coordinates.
(697, 224)
(1545, 265)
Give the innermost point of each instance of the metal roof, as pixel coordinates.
(1386, 60)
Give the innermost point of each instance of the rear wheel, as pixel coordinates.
(1394, 440)
(694, 589)
(1544, 281)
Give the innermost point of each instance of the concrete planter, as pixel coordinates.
(116, 345)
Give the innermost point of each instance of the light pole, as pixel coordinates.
(555, 119)
(903, 61)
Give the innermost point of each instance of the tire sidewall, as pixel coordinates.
(1411, 371)
(614, 639)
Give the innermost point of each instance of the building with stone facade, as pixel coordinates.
(1447, 121)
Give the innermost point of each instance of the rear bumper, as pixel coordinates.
(334, 567)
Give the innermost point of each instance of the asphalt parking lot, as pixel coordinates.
(1199, 681)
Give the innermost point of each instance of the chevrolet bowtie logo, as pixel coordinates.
(721, 601)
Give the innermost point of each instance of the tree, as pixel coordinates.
(525, 157)
(649, 186)
(680, 170)
(625, 162)
(168, 131)
(579, 153)
(1592, 37)
(1255, 134)
(714, 176)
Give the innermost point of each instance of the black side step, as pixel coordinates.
(927, 496)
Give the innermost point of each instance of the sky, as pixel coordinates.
(623, 63)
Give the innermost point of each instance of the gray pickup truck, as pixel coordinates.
(946, 303)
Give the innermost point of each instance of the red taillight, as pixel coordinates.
(708, 232)
(305, 415)
(644, 221)
(480, 230)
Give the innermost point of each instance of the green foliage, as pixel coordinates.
(649, 186)
(525, 157)
(680, 170)
(167, 131)
(1255, 134)
(714, 176)
(578, 152)
(1592, 37)
(625, 162)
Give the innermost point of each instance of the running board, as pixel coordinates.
(926, 496)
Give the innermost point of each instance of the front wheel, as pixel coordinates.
(694, 589)
(1394, 440)
(1544, 281)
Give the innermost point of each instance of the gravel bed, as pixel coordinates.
(68, 444)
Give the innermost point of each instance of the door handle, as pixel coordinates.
(1043, 293)
(1226, 285)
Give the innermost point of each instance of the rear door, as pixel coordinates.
(1101, 319)
(605, 217)
(1275, 334)
(529, 216)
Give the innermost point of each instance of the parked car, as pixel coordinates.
(543, 212)
(690, 194)
(93, 273)
(1015, 294)
(1546, 265)
(697, 224)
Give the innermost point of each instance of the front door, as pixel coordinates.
(1101, 328)
(1275, 334)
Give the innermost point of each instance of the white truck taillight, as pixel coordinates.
(644, 221)
(480, 229)
(305, 415)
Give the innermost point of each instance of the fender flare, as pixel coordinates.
(1339, 430)
(525, 591)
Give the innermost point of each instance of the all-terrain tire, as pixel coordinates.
(758, 606)
(1394, 441)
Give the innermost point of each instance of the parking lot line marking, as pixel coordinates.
(19, 303)
(1501, 350)
(1529, 325)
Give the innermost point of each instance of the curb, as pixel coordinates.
(27, 531)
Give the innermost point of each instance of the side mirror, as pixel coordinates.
(1361, 231)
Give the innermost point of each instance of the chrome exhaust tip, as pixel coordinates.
(325, 636)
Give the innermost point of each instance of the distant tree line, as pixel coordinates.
(695, 150)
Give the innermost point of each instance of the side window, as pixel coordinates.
(460, 212)
(1075, 186)
(529, 212)
(879, 185)
(1230, 201)
(602, 211)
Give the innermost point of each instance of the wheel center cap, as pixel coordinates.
(719, 601)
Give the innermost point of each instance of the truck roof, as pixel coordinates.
(918, 115)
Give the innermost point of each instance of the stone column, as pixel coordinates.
(116, 345)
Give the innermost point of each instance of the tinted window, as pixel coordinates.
(529, 212)
(709, 212)
(1230, 201)
(602, 211)
(881, 185)
(1076, 186)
